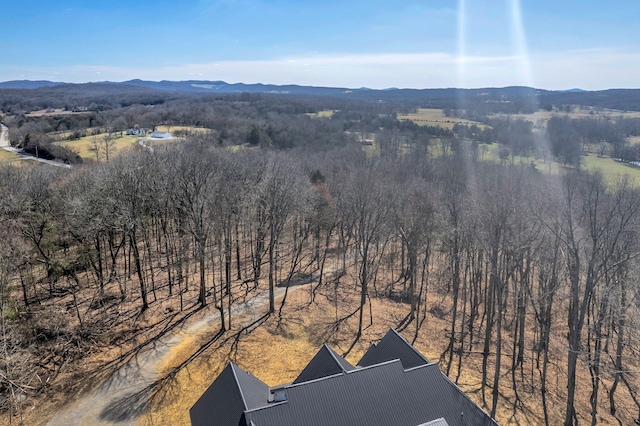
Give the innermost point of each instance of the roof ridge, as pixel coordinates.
(369, 367)
(235, 377)
(335, 356)
(409, 344)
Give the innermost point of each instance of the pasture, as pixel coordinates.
(185, 129)
(611, 170)
(436, 118)
(326, 113)
(52, 112)
(85, 145)
(542, 116)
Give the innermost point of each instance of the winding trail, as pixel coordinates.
(96, 407)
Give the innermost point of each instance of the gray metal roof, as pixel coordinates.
(395, 385)
(233, 392)
(325, 363)
(393, 346)
(383, 394)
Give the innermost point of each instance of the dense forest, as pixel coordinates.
(536, 274)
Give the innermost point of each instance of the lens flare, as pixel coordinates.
(461, 44)
(519, 41)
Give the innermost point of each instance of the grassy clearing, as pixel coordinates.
(327, 113)
(611, 170)
(542, 116)
(435, 117)
(633, 140)
(187, 129)
(84, 146)
(51, 112)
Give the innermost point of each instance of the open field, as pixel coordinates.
(84, 146)
(436, 117)
(542, 116)
(51, 112)
(611, 170)
(633, 140)
(187, 129)
(327, 113)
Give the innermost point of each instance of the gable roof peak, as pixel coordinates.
(393, 346)
(326, 362)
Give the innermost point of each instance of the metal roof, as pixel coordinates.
(394, 385)
(383, 394)
(233, 392)
(393, 346)
(325, 363)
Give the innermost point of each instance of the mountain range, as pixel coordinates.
(620, 99)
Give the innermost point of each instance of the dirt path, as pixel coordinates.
(97, 406)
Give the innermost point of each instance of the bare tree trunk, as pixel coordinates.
(136, 256)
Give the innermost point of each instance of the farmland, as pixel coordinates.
(435, 117)
(85, 146)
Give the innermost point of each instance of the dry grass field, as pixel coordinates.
(435, 117)
(52, 112)
(542, 116)
(327, 113)
(186, 129)
(84, 146)
(633, 140)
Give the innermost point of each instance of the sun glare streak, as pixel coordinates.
(461, 44)
(521, 51)
(462, 84)
(519, 41)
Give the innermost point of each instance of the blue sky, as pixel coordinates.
(557, 44)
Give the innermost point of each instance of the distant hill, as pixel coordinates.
(204, 86)
(27, 84)
(622, 99)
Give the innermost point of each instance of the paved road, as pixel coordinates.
(4, 144)
(108, 403)
(4, 137)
